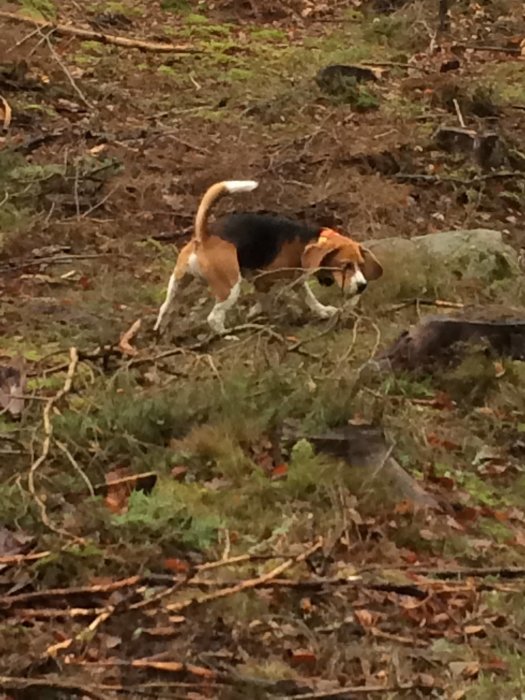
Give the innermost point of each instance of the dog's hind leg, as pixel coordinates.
(218, 314)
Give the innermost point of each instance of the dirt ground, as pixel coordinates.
(159, 537)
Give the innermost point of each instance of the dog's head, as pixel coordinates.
(340, 260)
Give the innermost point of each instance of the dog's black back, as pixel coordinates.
(259, 237)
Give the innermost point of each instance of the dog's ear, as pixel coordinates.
(315, 254)
(371, 267)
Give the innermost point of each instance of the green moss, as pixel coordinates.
(39, 8)
(176, 6)
(267, 34)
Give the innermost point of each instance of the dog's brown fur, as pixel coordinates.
(211, 256)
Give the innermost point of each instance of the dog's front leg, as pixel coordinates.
(315, 305)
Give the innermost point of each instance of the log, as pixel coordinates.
(366, 448)
(439, 338)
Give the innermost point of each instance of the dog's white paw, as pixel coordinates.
(326, 311)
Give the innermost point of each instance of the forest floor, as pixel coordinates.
(157, 537)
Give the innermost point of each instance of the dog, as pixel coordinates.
(266, 248)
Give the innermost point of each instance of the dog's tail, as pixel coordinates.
(211, 196)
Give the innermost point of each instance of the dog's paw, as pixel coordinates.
(327, 311)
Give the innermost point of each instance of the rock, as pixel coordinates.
(474, 253)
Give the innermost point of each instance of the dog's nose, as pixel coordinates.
(361, 286)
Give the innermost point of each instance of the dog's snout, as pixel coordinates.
(361, 286)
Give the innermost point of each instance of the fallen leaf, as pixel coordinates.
(428, 535)
(466, 669)
(178, 566)
(302, 657)
(179, 472)
(364, 617)
(471, 630)
(279, 472)
(434, 440)
(13, 542)
(519, 538)
(12, 387)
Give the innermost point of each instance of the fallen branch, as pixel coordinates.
(348, 691)
(166, 666)
(85, 634)
(440, 303)
(496, 49)
(459, 181)
(87, 34)
(49, 683)
(125, 340)
(46, 445)
(248, 584)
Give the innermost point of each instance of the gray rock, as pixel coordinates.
(475, 253)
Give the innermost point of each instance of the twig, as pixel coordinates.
(500, 49)
(76, 467)
(55, 613)
(352, 690)
(107, 588)
(166, 666)
(68, 30)
(7, 113)
(99, 203)
(46, 445)
(21, 558)
(458, 113)
(52, 651)
(459, 181)
(124, 344)
(49, 683)
(71, 80)
(248, 584)
(441, 303)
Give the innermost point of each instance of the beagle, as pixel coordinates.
(267, 248)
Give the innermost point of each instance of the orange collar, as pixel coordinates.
(327, 233)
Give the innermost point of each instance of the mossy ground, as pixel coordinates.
(114, 176)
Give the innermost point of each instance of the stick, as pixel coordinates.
(75, 87)
(427, 302)
(18, 683)
(67, 30)
(458, 181)
(46, 445)
(500, 49)
(167, 666)
(8, 601)
(459, 115)
(52, 651)
(352, 690)
(247, 584)
(7, 113)
(124, 343)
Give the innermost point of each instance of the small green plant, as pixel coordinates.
(168, 515)
(40, 8)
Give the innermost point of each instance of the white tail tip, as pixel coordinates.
(240, 185)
